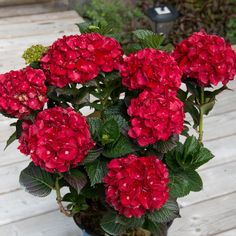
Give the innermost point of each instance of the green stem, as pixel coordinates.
(59, 198)
(202, 100)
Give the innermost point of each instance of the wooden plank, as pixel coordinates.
(206, 218)
(224, 150)
(17, 2)
(214, 184)
(48, 224)
(217, 127)
(9, 176)
(11, 155)
(226, 102)
(220, 126)
(30, 9)
(39, 17)
(6, 130)
(35, 28)
(24, 42)
(20, 205)
(228, 233)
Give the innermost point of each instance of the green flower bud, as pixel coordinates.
(34, 53)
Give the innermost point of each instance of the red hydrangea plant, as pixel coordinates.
(22, 92)
(208, 59)
(106, 124)
(135, 185)
(150, 69)
(80, 58)
(57, 140)
(155, 117)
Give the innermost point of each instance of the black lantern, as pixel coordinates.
(162, 18)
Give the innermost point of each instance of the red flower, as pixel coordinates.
(150, 68)
(57, 140)
(80, 58)
(155, 117)
(22, 91)
(206, 58)
(135, 185)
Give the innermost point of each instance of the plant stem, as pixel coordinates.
(200, 138)
(59, 198)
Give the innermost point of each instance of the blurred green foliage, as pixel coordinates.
(119, 15)
(215, 16)
(231, 25)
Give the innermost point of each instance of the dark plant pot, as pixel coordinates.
(88, 230)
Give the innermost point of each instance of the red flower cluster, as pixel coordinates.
(57, 140)
(136, 184)
(22, 91)
(155, 117)
(80, 58)
(206, 58)
(150, 68)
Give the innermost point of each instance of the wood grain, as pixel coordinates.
(29, 29)
(20, 205)
(214, 184)
(48, 224)
(207, 218)
(40, 18)
(228, 233)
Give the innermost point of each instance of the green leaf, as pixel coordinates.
(96, 171)
(12, 138)
(95, 124)
(168, 212)
(211, 95)
(130, 223)
(193, 111)
(193, 154)
(182, 182)
(178, 186)
(171, 157)
(121, 148)
(84, 27)
(70, 197)
(195, 181)
(122, 123)
(35, 65)
(103, 29)
(152, 41)
(37, 181)
(207, 107)
(149, 39)
(92, 155)
(82, 95)
(109, 132)
(76, 179)
(156, 229)
(168, 48)
(111, 225)
(191, 144)
(193, 88)
(117, 109)
(68, 91)
(203, 156)
(18, 128)
(164, 147)
(182, 95)
(142, 34)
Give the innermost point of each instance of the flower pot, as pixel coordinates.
(87, 229)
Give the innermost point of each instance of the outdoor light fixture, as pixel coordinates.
(162, 18)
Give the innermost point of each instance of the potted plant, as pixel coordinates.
(127, 160)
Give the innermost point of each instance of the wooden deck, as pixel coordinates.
(210, 212)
